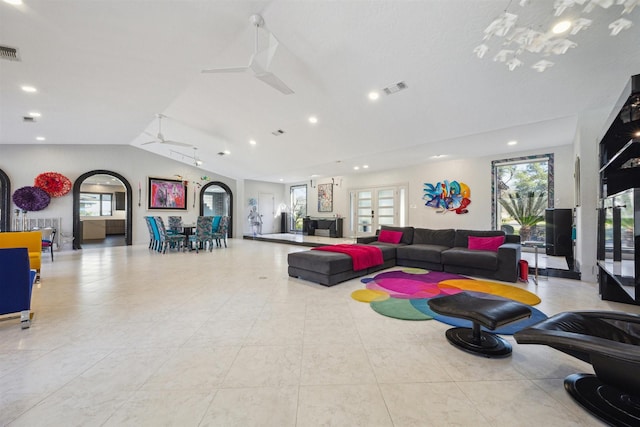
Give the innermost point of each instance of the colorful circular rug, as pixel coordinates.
(403, 294)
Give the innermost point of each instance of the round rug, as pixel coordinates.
(399, 309)
(369, 295)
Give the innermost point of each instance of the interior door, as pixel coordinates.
(267, 212)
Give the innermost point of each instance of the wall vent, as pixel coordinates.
(390, 90)
(29, 119)
(9, 53)
(277, 132)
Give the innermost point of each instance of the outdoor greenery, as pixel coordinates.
(526, 209)
(523, 196)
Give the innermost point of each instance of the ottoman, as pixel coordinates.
(490, 313)
(331, 268)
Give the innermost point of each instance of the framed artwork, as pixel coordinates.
(167, 194)
(325, 197)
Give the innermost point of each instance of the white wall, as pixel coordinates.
(22, 163)
(476, 173)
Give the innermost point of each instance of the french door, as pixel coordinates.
(373, 207)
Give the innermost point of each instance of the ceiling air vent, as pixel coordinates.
(29, 119)
(390, 90)
(9, 53)
(277, 132)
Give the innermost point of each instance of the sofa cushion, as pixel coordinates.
(462, 236)
(485, 243)
(484, 260)
(407, 233)
(425, 236)
(421, 252)
(388, 236)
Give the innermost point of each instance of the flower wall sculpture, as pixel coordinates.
(54, 183)
(31, 198)
(447, 196)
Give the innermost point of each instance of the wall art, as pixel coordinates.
(447, 196)
(325, 197)
(167, 194)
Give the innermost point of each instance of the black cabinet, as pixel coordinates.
(558, 231)
(619, 206)
(329, 227)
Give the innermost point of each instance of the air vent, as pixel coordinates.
(9, 53)
(277, 132)
(390, 90)
(29, 119)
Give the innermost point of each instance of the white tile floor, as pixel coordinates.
(124, 336)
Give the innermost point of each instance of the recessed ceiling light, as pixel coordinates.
(29, 89)
(13, 2)
(637, 133)
(512, 142)
(35, 114)
(281, 179)
(365, 166)
(40, 138)
(438, 156)
(373, 95)
(313, 119)
(227, 152)
(356, 168)
(561, 27)
(252, 142)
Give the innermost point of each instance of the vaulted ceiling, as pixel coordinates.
(103, 70)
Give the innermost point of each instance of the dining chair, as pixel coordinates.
(203, 234)
(154, 236)
(48, 237)
(168, 240)
(175, 225)
(221, 233)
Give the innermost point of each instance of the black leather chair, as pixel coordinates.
(610, 342)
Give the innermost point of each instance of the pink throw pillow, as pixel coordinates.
(485, 243)
(388, 236)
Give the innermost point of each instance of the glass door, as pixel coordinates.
(374, 207)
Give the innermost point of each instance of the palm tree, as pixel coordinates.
(527, 210)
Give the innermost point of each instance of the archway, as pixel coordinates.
(228, 205)
(76, 205)
(5, 202)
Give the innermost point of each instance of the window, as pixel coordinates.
(96, 204)
(298, 206)
(522, 189)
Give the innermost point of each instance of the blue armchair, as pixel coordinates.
(16, 282)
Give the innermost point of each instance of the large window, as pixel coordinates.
(522, 189)
(96, 204)
(298, 206)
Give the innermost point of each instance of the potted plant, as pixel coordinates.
(525, 209)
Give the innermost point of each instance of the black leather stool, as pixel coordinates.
(490, 313)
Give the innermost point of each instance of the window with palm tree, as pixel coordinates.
(523, 189)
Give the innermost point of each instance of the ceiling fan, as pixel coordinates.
(159, 138)
(259, 62)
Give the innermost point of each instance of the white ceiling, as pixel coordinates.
(104, 68)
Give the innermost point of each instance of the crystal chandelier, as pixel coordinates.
(517, 40)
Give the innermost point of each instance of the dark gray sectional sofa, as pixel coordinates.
(439, 250)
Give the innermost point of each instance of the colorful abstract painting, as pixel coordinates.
(325, 197)
(447, 196)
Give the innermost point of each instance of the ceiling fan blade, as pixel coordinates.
(148, 142)
(181, 144)
(226, 70)
(274, 82)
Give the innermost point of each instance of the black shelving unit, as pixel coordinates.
(619, 206)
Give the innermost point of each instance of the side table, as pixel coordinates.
(535, 245)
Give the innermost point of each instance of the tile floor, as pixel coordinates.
(124, 336)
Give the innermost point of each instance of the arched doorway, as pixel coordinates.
(76, 205)
(5, 202)
(216, 199)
